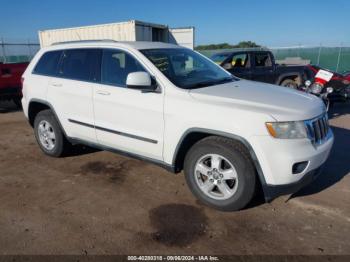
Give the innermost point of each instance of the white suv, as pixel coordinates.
(176, 108)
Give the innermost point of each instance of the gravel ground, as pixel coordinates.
(102, 203)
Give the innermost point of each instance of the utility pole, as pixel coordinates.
(3, 50)
(30, 51)
(336, 70)
(319, 54)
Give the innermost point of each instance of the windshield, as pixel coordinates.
(219, 58)
(187, 69)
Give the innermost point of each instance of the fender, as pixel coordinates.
(227, 135)
(36, 100)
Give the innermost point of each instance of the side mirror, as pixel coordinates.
(227, 66)
(141, 81)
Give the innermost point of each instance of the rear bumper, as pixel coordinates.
(273, 191)
(10, 93)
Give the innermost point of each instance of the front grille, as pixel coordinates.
(318, 129)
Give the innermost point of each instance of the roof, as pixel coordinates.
(239, 50)
(133, 44)
(223, 53)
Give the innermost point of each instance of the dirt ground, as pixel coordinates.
(103, 203)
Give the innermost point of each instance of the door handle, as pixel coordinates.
(104, 93)
(56, 84)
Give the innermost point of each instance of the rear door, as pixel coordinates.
(70, 92)
(127, 119)
(263, 67)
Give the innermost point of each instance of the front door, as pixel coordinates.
(240, 65)
(127, 119)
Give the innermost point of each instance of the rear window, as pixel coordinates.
(81, 64)
(48, 63)
(262, 60)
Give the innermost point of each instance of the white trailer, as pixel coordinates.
(124, 31)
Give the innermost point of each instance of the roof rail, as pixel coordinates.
(85, 41)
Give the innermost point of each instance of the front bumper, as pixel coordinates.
(276, 158)
(340, 95)
(273, 191)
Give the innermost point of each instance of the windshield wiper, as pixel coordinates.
(224, 80)
(211, 82)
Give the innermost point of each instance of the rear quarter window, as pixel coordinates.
(48, 63)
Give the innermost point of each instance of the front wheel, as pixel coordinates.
(220, 173)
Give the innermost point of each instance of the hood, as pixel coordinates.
(282, 103)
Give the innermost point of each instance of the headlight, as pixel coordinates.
(330, 90)
(287, 130)
(316, 88)
(308, 83)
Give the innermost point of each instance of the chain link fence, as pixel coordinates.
(15, 51)
(333, 58)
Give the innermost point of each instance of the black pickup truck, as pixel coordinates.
(261, 66)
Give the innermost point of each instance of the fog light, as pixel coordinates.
(299, 167)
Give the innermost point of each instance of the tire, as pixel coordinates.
(17, 102)
(233, 154)
(60, 146)
(289, 83)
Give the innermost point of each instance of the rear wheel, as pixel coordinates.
(49, 134)
(289, 83)
(220, 173)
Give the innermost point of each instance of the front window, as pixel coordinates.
(240, 61)
(187, 69)
(116, 65)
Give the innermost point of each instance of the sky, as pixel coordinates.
(272, 23)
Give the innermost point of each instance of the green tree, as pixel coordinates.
(243, 44)
(246, 44)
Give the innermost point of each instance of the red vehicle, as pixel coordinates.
(347, 76)
(340, 84)
(10, 81)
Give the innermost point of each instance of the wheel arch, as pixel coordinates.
(37, 105)
(193, 135)
(291, 75)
